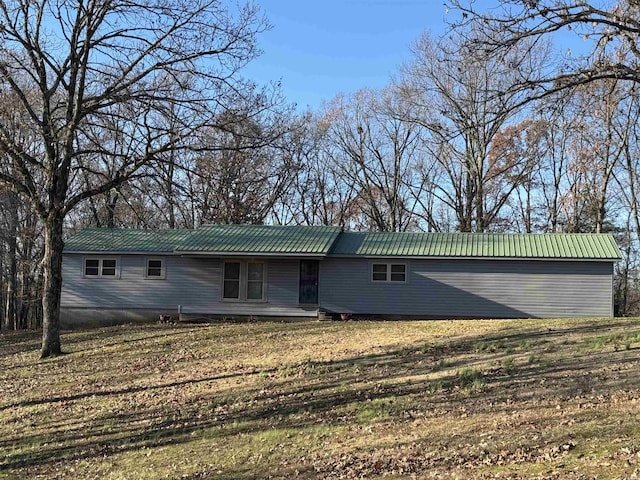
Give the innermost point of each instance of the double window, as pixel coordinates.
(101, 267)
(243, 281)
(389, 272)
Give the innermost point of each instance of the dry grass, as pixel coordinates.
(447, 399)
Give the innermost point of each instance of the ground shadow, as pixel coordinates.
(425, 376)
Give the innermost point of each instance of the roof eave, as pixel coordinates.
(117, 252)
(250, 254)
(440, 257)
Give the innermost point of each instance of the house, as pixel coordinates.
(239, 271)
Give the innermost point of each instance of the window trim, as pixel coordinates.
(244, 281)
(163, 268)
(100, 260)
(389, 265)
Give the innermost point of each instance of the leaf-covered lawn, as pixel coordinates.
(437, 399)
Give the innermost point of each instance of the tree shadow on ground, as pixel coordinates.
(424, 379)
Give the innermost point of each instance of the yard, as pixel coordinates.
(436, 399)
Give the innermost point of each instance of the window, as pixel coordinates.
(389, 272)
(155, 268)
(91, 267)
(379, 272)
(255, 278)
(243, 281)
(398, 273)
(108, 267)
(101, 267)
(231, 287)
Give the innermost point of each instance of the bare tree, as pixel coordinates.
(464, 99)
(16, 217)
(76, 66)
(606, 122)
(522, 143)
(246, 169)
(610, 32)
(319, 193)
(627, 173)
(584, 131)
(379, 154)
(10, 234)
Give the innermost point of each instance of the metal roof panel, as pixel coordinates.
(322, 240)
(122, 240)
(260, 239)
(485, 245)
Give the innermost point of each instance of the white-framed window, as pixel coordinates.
(389, 272)
(101, 267)
(155, 269)
(243, 280)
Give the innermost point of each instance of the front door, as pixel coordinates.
(309, 281)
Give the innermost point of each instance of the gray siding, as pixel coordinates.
(470, 288)
(434, 288)
(192, 283)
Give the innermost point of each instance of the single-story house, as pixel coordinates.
(240, 271)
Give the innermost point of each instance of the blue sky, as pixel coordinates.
(319, 48)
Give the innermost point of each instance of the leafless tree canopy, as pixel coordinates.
(109, 87)
(609, 31)
(135, 114)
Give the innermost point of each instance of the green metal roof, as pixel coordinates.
(321, 240)
(260, 239)
(121, 240)
(489, 245)
(214, 239)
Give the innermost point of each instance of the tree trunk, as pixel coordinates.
(529, 226)
(2, 300)
(112, 201)
(30, 296)
(31, 315)
(10, 322)
(622, 290)
(52, 274)
(171, 201)
(12, 267)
